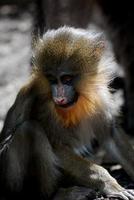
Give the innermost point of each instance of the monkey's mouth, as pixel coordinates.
(69, 103)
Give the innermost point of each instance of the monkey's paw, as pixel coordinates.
(116, 191)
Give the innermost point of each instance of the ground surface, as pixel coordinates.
(15, 53)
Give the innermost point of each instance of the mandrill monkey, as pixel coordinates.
(66, 103)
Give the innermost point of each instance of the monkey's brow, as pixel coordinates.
(58, 71)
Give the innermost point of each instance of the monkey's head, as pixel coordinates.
(67, 63)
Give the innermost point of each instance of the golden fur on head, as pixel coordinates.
(73, 50)
(66, 45)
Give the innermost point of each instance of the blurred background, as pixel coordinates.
(15, 50)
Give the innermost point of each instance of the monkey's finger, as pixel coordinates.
(129, 195)
(131, 192)
(118, 195)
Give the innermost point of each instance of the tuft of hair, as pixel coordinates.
(58, 46)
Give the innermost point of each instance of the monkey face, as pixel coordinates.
(68, 74)
(63, 89)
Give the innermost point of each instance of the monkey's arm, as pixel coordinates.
(17, 114)
(89, 174)
(119, 146)
(29, 145)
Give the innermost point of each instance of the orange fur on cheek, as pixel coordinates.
(74, 114)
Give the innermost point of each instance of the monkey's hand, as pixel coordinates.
(113, 189)
(91, 175)
(102, 180)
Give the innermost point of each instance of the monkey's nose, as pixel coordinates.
(60, 100)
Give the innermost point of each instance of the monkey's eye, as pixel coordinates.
(67, 79)
(51, 79)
